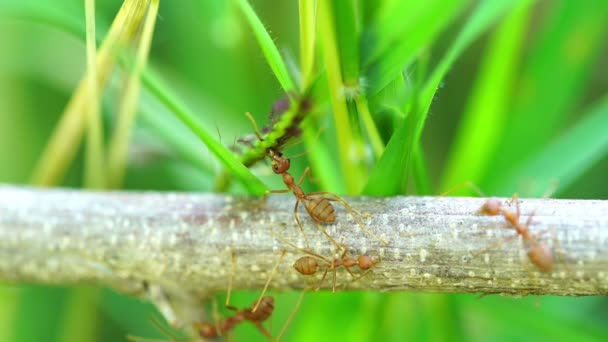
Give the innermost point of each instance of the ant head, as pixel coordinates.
(491, 207)
(280, 164)
(368, 261)
(205, 330)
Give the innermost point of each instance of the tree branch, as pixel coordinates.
(182, 242)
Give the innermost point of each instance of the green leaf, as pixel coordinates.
(484, 120)
(273, 57)
(566, 158)
(389, 176)
(553, 83)
(399, 33)
(231, 161)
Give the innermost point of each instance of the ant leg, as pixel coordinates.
(274, 270)
(216, 315)
(255, 126)
(295, 214)
(268, 192)
(306, 251)
(333, 288)
(230, 281)
(322, 279)
(494, 245)
(352, 211)
(263, 330)
(306, 172)
(331, 239)
(291, 316)
(514, 200)
(349, 271)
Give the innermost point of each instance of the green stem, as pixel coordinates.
(349, 156)
(307, 40)
(94, 163)
(117, 158)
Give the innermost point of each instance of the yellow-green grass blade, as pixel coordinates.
(307, 12)
(119, 144)
(159, 90)
(350, 146)
(94, 176)
(273, 57)
(484, 119)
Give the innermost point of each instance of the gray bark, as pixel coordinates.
(182, 242)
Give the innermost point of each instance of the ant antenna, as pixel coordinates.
(291, 315)
(274, 269)
(255, 126)
(230, 281)
(310, 147)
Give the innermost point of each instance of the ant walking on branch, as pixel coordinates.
(538, 253)
(317, 204)
(313, 263)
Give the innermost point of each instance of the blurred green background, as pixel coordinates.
(520, 103)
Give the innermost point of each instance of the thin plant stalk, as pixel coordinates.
(117, 158)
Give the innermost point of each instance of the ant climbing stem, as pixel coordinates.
(317, 204)
(539, 254)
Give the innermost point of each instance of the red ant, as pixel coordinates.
(259, 312)
(317, 204)
(539, 254)
(309, 265)
(265, 310)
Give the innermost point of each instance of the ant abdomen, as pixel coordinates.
(541, 256)
(306, 265)
(321, 210)
(263, 312)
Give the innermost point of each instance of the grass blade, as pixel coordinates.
(349, 150)
(94, 176)
(396, 157)
(567, 158)
(389, 45)
(485, 117)
(553, 81)
(63, 144)
(268, 48)
(117, 153)
(307, 9)
(242, 173)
